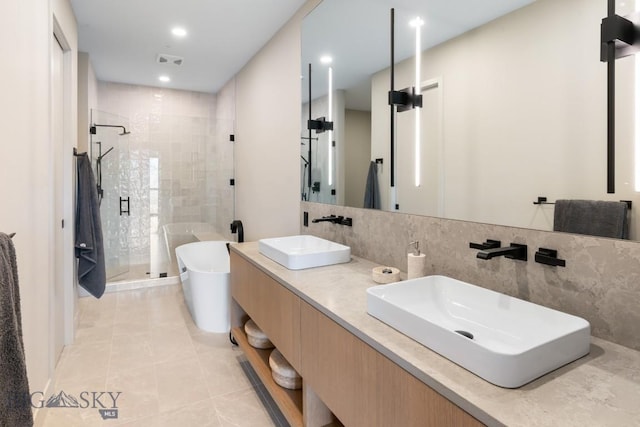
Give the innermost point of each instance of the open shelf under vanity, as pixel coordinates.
(289, 401)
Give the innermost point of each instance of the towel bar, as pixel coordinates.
(543, 201)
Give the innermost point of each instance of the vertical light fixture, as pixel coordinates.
(417, 23)
(636, 163)
(330, 118)
(328, 60)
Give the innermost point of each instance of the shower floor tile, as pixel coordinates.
(169, 372)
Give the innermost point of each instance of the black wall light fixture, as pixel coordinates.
(405, 99)
(320, 125)
(619, 37)
(309, 138)
(399, 100)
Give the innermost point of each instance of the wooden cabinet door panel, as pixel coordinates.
(272, 307)
(364, 388)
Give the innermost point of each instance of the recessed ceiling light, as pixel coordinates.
(164, 79)
(179, 32)
(326, 59)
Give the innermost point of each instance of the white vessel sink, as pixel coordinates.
(509, 342)
(298, 252)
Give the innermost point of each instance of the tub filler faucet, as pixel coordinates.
(236, 226)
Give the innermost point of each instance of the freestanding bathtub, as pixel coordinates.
(181, 233)
(204, 273)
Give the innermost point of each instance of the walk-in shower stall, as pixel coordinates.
(156, 171)
(110, 160)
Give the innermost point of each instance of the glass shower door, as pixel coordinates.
(109, 156)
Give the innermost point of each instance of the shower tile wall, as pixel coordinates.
(180, 131)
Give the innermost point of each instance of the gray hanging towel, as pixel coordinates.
(592, 217)
(15, 403)
(89, 245)
(371, 191)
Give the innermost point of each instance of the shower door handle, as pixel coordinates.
(123, 211)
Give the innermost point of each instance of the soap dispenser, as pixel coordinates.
(416, 262)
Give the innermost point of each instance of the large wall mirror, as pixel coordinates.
(514, 108)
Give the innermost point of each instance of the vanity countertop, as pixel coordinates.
(600, 389)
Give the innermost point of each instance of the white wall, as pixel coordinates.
(25, 176)
(268, 135)
(87, 98)
(524, 114)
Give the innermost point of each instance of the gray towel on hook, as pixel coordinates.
(89, 244)
(592, 217)
(15, 403)
(372, 192)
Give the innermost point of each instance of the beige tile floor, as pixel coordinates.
(144, 344)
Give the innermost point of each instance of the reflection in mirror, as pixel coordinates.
(514, 106)
(323, 118)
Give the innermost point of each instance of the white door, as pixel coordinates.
(57, 150)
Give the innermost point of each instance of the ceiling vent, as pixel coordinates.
(164, 58)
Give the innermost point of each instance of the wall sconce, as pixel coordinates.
(409, 98)
(405, 99)
(330, 131)
(619, 37)
(417, 23)
(636, 162)
(320, 125)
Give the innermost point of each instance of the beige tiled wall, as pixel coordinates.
(601, 281)
(182, 129)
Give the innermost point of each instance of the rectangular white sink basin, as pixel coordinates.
(505, 340)
(299, 252)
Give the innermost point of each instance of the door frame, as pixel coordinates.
(68, 193)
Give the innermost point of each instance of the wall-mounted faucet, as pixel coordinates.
(513, 251)
(335, 219)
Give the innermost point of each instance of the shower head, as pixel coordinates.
(93, 129)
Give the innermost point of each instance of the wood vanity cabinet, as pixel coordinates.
(342, 375)
(364, 388)
(276, 311)
(272, 307)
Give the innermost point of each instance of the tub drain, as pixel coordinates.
(465, 334)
